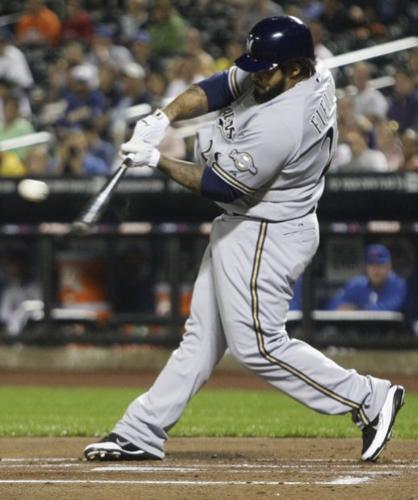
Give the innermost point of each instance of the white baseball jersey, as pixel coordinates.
(276, 152)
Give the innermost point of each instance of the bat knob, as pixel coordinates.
(79, 228)
(128, 162)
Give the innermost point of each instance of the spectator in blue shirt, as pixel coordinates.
(97, 146)
(381, 289)
(83, 100)
(74, 159)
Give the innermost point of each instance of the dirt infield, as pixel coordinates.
(231, 468)
(198, 468)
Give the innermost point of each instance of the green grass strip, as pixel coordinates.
(58, 411)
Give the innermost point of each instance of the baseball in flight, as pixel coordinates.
(33, 190)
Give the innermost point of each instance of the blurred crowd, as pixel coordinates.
(84, 70)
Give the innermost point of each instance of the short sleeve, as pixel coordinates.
(224, 87)
(238, 81)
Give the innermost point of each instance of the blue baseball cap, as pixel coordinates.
(377, 254)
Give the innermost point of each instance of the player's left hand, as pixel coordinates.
(140, 153)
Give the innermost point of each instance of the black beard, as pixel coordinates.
(270, 94)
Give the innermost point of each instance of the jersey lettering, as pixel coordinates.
(206, 153)
(321, 116)
(276, 153)
(226, 123)
(329, 135)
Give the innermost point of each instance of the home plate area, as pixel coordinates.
(210, 468)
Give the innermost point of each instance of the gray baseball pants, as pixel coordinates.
(240, 300)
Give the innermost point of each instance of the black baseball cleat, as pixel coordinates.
(114, 447)
(379, 431)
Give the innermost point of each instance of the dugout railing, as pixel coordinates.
(354, 210)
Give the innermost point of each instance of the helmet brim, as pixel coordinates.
(250, 65)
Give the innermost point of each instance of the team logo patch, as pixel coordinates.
(243, 161)
(250, 41)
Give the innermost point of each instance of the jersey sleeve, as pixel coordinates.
(214, 188)
(254, 159)
(238, 81)
(224, 87)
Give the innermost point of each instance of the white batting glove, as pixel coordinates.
(140, 153)
(152, 128)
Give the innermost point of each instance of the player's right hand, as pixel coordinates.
(140, 154)
(151, 129)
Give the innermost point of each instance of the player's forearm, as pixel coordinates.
(185, 173)
(191, 103)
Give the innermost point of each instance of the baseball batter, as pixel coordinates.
(263, 160)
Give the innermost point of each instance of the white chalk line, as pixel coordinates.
(329, 461)
(239, 468)
(40, 466)
(138, 481)
(351, 472)
(286, 463)
(81, 468)
(128, 468)
(311, 468)
(339, 481)
(40, 459)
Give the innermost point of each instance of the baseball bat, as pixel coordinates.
(98, 203)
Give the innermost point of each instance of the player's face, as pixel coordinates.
(378, 273)
(268, 84)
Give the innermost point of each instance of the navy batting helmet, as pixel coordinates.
(274, 41)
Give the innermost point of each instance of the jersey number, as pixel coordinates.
(329, 135)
